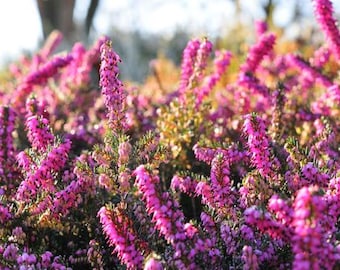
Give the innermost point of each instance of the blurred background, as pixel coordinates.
(143, 30)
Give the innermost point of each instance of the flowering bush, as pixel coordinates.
(234, 169)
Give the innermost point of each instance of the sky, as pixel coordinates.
(20, 28)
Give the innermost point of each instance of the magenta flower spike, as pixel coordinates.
(167, 217)
(261, 27)
(163, 215)
(93, 54)
(41, 176)
(52, 42)
(257, 52)
(221, 63)
(120, 236)
(38, 129)
(259, 147)
(310, 244)
(221, 185)
(249, 258)
(39, 77)
(112, 88)
(308, 71)
(323, 10)
(188, 62)
(7, 150)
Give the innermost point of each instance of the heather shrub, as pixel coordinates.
(235, 165)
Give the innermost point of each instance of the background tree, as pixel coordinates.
(55, 14)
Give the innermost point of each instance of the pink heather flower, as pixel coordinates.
(280, 209)
(184, 184)
(112, 88)
(266, 224)
(232, 154)
(77, 73)
(52, 42)
(204, 154)
(320, 57)
(203, 53)
(195, 58)
(323, 10)
(310, 244)
(168, 219)
(221, 62)
(42, 177)
(188, 63)
(124, 180)
(209, 226)
(328, 101)
(204, 189)
(312, 175)
(5, 214)
(93, 54)
(105, 181)
(39, 77)
(153, 264)
(120, 235)
(124, 151)
(229, 237)
(257, 52)
(259, 147)
(38, 129)
(48, 70)
(250, 82)
(221, 186)
(24, 160)
(249, 258)
(332, 198)
(26, 259)
(46, 259)
(256, 55)
(309, 72)
(247, 233)
(261, 28)
(18, 234)
(7, 151)
(10, 252)
(82, 184)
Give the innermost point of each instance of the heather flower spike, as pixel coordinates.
(257, 52)
(52, 42)
(7, 149)
(112, 88)
(323, 10)
(40, 76)
(38, 129)
(121, 237)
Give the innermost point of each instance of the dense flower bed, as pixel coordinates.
(232, 169)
